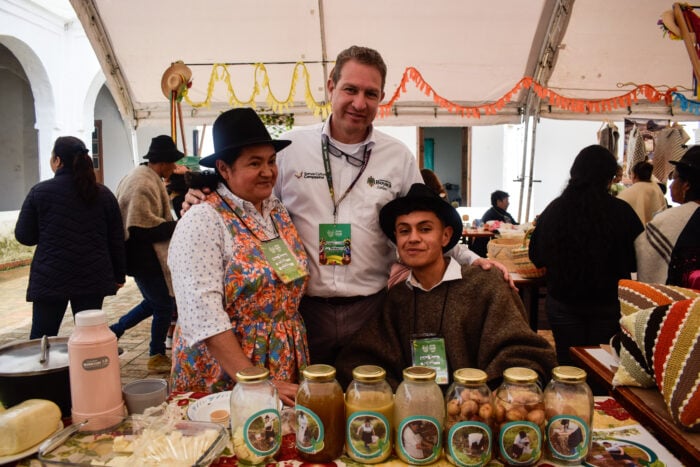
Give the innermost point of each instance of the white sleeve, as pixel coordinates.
(462, 254)
(196, 257)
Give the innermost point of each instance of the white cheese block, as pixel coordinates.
(27, 424)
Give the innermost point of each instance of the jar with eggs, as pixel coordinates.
(568, 405)
(470, 418)
(520, 416)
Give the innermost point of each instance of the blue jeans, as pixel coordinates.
(47, 315)
(580, 325)
(158, 303)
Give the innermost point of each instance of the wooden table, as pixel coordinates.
(645, 405)
(470, 234)
(529, 290)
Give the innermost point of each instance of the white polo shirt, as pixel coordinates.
(303, 189)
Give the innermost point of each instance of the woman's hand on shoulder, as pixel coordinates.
(287, 391)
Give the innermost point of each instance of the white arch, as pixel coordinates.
(44, 102)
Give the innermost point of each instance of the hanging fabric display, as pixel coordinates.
(608, 136)
(669, 147)
(636, 149)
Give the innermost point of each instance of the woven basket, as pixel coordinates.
(500, 249)
(521, 260)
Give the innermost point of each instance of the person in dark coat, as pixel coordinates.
(76, 225)
(500, 200)
(585, 239)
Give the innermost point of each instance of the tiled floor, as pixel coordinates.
(16, 319)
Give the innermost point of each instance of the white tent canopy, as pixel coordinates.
(470, 52)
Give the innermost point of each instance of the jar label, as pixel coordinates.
(262, 432)
(469, 444)
(90, 364)
(520, 443)
(568, 437)
(368, 435)
(419, 439)
(310, 431)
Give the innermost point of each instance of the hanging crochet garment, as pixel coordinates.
(669, 147)
(636, 152)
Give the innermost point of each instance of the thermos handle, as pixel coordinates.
(44, 349)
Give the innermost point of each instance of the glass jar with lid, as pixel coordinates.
(369, 412)
(520, 415)
(470, 419)
(419, 415)
(568, 405)
(255, 417)
(320, 413)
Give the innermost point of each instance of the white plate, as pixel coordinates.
(30, 451)
(200, 410)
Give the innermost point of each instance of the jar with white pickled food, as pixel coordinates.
(568, 403)
(470, 419)
(419, 415)
(369, 413)
(520, 415)
(255, 418)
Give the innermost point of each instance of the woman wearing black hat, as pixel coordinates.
(668, 252)
(238, 265)
(77, 227)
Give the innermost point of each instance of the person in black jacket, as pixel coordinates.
(76, 225)
(149, 224)
(500, 200)
(585, 239)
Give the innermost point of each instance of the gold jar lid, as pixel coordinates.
(419, 373)
(369, 373)
(252, 374)
(569, 374)
(470, 376)
(319, 372)
(518, 374)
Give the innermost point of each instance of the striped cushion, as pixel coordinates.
(661, 346)
(635, 296)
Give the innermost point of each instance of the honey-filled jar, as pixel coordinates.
(470, 419)
(568, 403)
(520, 415)
(320, 414)
(419, 416)
(369, 413)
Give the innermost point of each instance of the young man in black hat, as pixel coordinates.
(453, 316)
(148, 226)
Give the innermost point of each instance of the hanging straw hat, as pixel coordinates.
(174, 77)
(668, 20)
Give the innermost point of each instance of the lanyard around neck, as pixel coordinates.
(415, 311)
(329, 176)
(235, 213)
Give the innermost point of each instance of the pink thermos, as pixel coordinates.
(93, 367)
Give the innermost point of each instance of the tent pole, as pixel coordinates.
(324, 52)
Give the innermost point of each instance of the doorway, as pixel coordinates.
(447, 152)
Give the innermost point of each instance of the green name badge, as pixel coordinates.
(282, 261)
(334, 245)
(430, 352)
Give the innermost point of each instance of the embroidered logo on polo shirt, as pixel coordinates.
(378, 183)
(309, 175)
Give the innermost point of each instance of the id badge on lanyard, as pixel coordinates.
(334, 244)
(282, 261)
(429, 350)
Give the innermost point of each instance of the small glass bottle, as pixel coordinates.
(320, 412)
(470, 419)
(369, 411)
(520, 414)
(419, 416)
(568, 405)
(255, 417)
